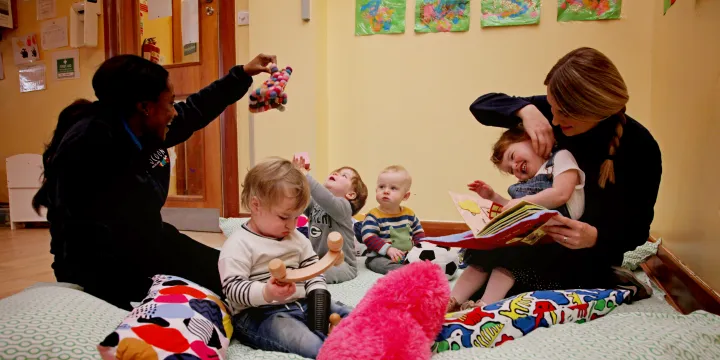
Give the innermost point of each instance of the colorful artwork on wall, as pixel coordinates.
(581, 10)
(510, 12)
(379, 17)
(442, 15)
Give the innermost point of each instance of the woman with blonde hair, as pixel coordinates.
(584, 113)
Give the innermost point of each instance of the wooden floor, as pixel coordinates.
(25, 257)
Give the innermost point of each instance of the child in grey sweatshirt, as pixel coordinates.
(331, 209)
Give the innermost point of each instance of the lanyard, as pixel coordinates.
(135, 139)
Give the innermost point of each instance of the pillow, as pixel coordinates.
(177, 319)
(515, 317)
(632, 259)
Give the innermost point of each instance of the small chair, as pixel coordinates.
(24, 174)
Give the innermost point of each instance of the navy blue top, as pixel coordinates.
(622, 212)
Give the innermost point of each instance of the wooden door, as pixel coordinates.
(189, 40)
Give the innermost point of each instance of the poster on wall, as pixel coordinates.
(442, 15)
(45, 9)
(379, 17)
(54, 33)
(25, 49)
(509, 12)
(668, 4)
(66, 64)
(6, 17)
(32, 77)
(581, 10)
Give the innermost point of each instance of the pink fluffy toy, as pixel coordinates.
(398, 318)
(271, 95)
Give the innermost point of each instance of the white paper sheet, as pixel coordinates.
(6, 18)
(32, 77)
(159, 9)
(66, 65)
(54, 33)
(46, 9)
(25, 49)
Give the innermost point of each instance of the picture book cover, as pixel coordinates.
(491, 226)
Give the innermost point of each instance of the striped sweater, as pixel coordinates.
(244, 261)
(379, 229)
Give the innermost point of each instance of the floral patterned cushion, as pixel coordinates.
(178, 320)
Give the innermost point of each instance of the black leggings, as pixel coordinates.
(172, 253)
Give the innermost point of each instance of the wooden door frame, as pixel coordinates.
(122, 36)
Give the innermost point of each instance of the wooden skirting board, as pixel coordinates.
(686, 292)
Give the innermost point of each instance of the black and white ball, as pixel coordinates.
(444, 257)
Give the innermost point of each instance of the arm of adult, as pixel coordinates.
(501, 110)
(619, 227)
(201, 108)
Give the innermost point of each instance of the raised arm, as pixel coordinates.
(501, 110)
(337, 207)
(207, 104)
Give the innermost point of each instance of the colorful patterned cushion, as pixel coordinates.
(177, 320)
(517, 316)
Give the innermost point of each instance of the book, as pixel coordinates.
(492, 227)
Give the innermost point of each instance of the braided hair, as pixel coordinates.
(586, 85)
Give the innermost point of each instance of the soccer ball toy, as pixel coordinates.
(444, 257)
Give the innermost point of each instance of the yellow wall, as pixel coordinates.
(27, 120)
(161, 29)
(276, 28)
(404, 99)
(686, 122)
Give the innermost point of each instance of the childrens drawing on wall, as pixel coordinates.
(578, 10)
(25, 49)
(510, 12)
(442, 15)
(667, 4)
(379, 17)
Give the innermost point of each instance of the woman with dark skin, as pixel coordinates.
(107, 175)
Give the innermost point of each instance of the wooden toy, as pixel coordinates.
(271, 95)
(334, 257)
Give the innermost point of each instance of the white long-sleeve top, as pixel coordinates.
(244, 261)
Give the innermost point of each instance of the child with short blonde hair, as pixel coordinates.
(267, 314)
(390, 230)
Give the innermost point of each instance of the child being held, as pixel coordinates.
(267, 314)
(555, 183)
(390, 230)
(331, 208)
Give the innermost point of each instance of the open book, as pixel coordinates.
(491, 226)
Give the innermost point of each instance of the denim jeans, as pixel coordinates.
(282, 328)
(537, 184)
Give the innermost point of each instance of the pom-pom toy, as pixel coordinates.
(271, 95)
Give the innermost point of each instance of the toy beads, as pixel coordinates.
(271, 95)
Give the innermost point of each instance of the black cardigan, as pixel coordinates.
(104, 193)
(622, 212)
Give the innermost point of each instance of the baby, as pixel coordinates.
(555, 183)
(390, 230)
(267, 314)
(331, 208)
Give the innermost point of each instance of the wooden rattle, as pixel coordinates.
(334, 321)
(334, 257)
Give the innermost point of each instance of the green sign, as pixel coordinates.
(65, 68)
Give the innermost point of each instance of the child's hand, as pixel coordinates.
(482, 189)
(300, 164)
(395, 254)
(277, 291)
